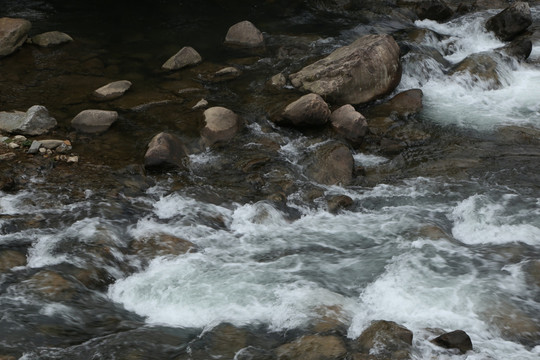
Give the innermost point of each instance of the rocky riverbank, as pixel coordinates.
(78, 119)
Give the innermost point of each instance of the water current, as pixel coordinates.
(428, 252)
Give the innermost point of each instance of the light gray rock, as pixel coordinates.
(511, 22)
(222, 125)
(349, 123)
(309, 110)
(165, 151)
(112, 90)
(228, 73)
(36, 121)
(185, 57)
(201, 104)
(245, 35)
(94, 121)
(358, 73)
(13, 33)
(51, 38)
(51, 144)
(34, 147)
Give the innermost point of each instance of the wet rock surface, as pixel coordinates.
(51, 38)
(13, 33)
(457, 339)
(512, 21)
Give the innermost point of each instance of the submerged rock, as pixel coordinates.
(112, 90)
(161, 245)
(436, 10)
(313, 347)
(187, 56)
(358, 73)
(51, 38)
(510, 22)
(222, 125)
(244, 35)
(457, 339)
(391, 341)
(13, 33)
(165, 151)
(11, 258)
(481, 67)
(36, 121)
(350, 124)
(309, 110)
(94, 121)
(331, 164)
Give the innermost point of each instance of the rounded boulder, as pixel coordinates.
(222, 125)
(94, 121)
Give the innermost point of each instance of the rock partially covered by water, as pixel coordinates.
(457, 339)
(222, 125)
(112, 90)
(482, 67)
(313, 347)
(391, 340)
(10, 259)
(429, 9)
(511, 22)
(36, 121)
(161, 245)
(350, 124)
(13, 33)
(187, 56)
(358, 73)
(94, 121)
(309, 110)
(244, 35)
(519, 49)
(165, 151)
(332, 164)
(51, 38)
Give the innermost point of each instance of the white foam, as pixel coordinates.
(368, 160)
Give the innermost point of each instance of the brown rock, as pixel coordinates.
(94, 121)
(221, 125)
(337, 202)
(457, 339)
(162, 245)
(10, 259)
(165, 151)
(350, 124)
(309, 110)
(313, 347)
(358, 73)
(390, 339)
(51, 285)
(112, 90)
(332, 164)
(51, 38)
(13, 33)
(244, 34)
(185, 57)
(511, 22)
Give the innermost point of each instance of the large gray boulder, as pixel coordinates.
(112, 90)
(36, 121)
(13, 33)
(51, 38)
(244, 35)
(358, 73)
(187, 56)
(222, 125)
(94, 121)
(165, 151)
(510, 22)
(349, 123)
(309, 110)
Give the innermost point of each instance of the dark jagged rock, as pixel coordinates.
(511, 22)
(519, 49)
(457, 339)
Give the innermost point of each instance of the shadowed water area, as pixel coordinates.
(244, 252)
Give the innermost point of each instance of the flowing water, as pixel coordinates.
(428, 252)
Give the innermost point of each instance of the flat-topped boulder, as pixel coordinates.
(94, 121)
(35, 121)
(187, 56)
(244, 35)
(51, 38)
(358, 73)
(13, 33)
(222, 125)
(112, 90)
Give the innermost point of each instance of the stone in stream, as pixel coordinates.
(187, 56)
(313, 347)
(457, 339)
(13, 33)
(51, 38)
(201, 104)
(244, 35)
(510, 22)
(10, 259)
(34, 147)
(519, 49)
(358, 73)
(225, 74)
(436, 10)
(309, 110)
(222, 125)
(112, 90)
(349, 123)
(94, 121)
(331, 164)
(36, 121)
(388, 339)
(165, 151)
(161, 245)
